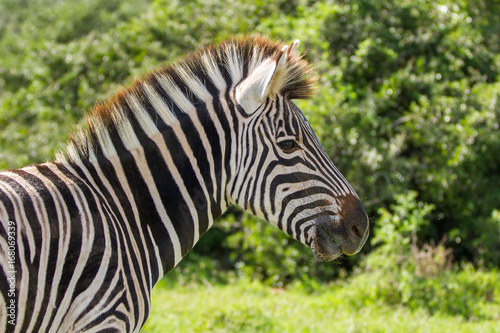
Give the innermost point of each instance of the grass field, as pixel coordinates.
(253, 307)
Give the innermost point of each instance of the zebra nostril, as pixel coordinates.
(355, 231)
(356, 225)
(355, 222)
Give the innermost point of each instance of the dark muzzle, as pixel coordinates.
(345, 233)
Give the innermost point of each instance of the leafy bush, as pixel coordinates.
(395, 239)
(468, 293)
(401, 272)
(259, 250)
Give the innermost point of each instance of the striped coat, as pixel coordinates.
(84, 239)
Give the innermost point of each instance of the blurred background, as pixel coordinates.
(408, 107)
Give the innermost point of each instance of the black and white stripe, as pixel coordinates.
(85, 238)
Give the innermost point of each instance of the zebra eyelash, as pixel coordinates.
(286, 138)
(288, 144)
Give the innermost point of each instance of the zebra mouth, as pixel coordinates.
(345, 233)
(326, 245)
(331, 240)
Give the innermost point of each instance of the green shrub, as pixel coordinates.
(400, 271)
(260, 250)
(469, 293)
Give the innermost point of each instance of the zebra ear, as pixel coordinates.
(261, 83)
(294, 47)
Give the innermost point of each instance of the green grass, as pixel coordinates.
(253, 307)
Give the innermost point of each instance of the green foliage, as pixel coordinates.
(258, 250)
(470, 294)
(239, 245)
(400, 272)
(395, 230)
(55, 63)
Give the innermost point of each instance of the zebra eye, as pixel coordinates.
(288, 146)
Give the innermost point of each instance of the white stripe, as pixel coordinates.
(142, 116)
(87, 238)
(103, 137)
(19, 217)
(140, 160)
(159, 262)
(233, 64)
(63, 242)
(159, 105)
(44, 250)
(213, 72)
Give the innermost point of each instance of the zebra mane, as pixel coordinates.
(224, 65)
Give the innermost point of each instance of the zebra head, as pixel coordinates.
(282, 172)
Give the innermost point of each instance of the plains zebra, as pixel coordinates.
(85, 238)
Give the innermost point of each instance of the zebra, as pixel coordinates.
(85, 238)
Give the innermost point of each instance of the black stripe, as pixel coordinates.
(221, 165)
(309, 218)
(170, 194)
(6, 272)
(301, 208)
(298, 195)
(28, 206)
(147, 210)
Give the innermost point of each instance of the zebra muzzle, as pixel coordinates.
(345, 235)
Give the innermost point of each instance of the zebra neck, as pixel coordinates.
(167, 144)
(168, 186)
